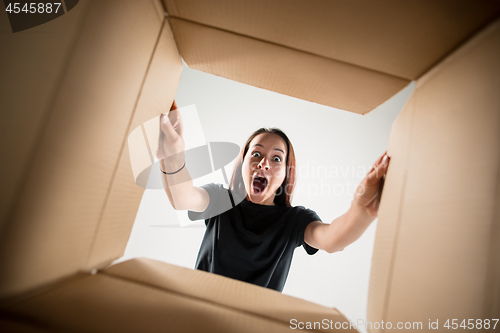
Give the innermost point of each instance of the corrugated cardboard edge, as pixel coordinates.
(222, 291)
(473, 40)
(49, 307)
(379, 311)
(160, 8)
(52, 238)
(386, 240)
(467, 56)
(9, 200)
(492, 292)
(410, 36)
(284, 70)
(156, 95)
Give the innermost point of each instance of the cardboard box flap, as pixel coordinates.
(32, 64)
(403, 39)
(20, 326)
(447, 239)
(390, 209)
(284, 70)
(400, 38)
(148, 296)
(156, 97)
(102, 303)
(68, 214)
(217, 289)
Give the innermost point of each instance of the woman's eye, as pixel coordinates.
(256, 154)
(277, 159)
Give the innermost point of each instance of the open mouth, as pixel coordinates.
(259, 184)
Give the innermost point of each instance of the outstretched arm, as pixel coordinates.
(347, 228)
(176, 179)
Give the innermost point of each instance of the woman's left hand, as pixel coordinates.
(369, 191)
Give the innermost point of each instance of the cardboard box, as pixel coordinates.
(69, 198)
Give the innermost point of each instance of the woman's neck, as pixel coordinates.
(268, 202)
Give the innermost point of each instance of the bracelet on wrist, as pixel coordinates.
(173, 173)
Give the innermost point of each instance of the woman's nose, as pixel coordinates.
(263, 164)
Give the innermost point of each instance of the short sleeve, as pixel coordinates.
(219, 202)
(304, 217)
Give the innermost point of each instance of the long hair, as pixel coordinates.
(283, 196)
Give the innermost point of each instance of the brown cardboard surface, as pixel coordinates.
(32, 66)
(400, 38)
(389, 215)
(70, 196)
(492, 283)
(159, 300)
(156, 97)
(49, 233)
(160, 9)
(223, 291)
(20, 326)
(281, 69)
(492, 304)
(446, 261)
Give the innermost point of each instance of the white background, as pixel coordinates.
(333, 148)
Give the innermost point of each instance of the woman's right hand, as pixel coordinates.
(170, 141)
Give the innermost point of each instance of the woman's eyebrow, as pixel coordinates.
(258, 144)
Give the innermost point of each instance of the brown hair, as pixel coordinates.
(284, 193)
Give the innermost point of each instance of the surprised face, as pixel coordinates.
(264, 168)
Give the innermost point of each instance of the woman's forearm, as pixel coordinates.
(347, 228)
(178, 186)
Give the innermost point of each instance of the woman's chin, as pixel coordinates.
(258, 197)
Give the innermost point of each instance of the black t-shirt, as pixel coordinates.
(250, 242)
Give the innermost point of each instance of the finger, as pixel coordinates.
(180, 126)
(176, 120)
(382, 167)
(166, 114)
(379, 160)
(167, 128)
(159, 151)
(381, 185)
(379, 170)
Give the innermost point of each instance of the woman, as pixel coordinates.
(252, 229)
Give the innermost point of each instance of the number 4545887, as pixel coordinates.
(34, 7)
(471, 324)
